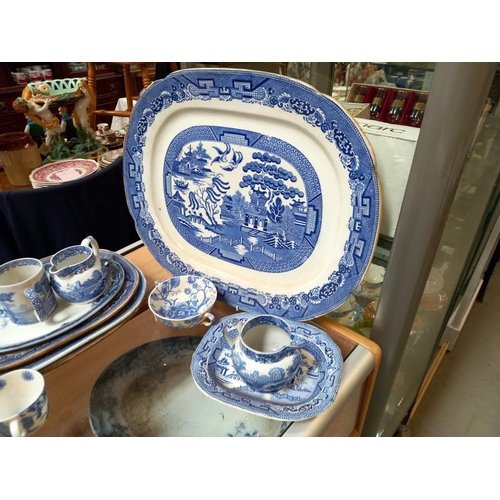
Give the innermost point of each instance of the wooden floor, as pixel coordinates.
(463, 399)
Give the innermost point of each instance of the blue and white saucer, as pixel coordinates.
(311, 392)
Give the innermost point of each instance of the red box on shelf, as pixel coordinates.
(360, 92)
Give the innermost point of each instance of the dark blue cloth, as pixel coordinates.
(39, 222)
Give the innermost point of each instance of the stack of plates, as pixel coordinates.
(109, 157)
(59, 172)
(72, 326)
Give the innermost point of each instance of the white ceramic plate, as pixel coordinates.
(64, 317)
(63, 171)
(312, 391)
(256, 181)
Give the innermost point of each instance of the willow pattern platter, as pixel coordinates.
(256, 181)
(65, 316)
(312, 391)
(149, 391)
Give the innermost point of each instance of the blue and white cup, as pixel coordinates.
(77, 273)
(183, 301)
(26, 296)
(24, 406)
(265, 353)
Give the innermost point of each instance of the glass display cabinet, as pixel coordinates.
(443, 228)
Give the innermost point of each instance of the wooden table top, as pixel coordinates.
(69, 383)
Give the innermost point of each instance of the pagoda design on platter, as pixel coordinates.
(241, 203)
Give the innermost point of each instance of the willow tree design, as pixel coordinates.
(247, 203)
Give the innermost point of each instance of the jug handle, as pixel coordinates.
(91, 242)
(227, 333)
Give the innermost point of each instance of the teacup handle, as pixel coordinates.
(40, 312)
(15, 429)
(208, 319)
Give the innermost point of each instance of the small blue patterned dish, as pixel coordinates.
(183, 301)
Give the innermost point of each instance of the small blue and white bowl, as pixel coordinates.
(183, 301)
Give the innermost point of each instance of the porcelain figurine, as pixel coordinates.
(40, 114)
(67, 125)
(36, 132)
(84, 108)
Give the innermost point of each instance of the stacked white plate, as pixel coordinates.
(59, 172)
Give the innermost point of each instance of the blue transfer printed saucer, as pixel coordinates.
(64, 317)
(312, 391)
(256, 181)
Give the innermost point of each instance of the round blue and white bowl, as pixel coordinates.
(183, 301)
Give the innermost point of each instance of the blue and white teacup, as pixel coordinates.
(183, 301)
(264, 352)
(24, 406)
(25, 293)
(77, 273)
